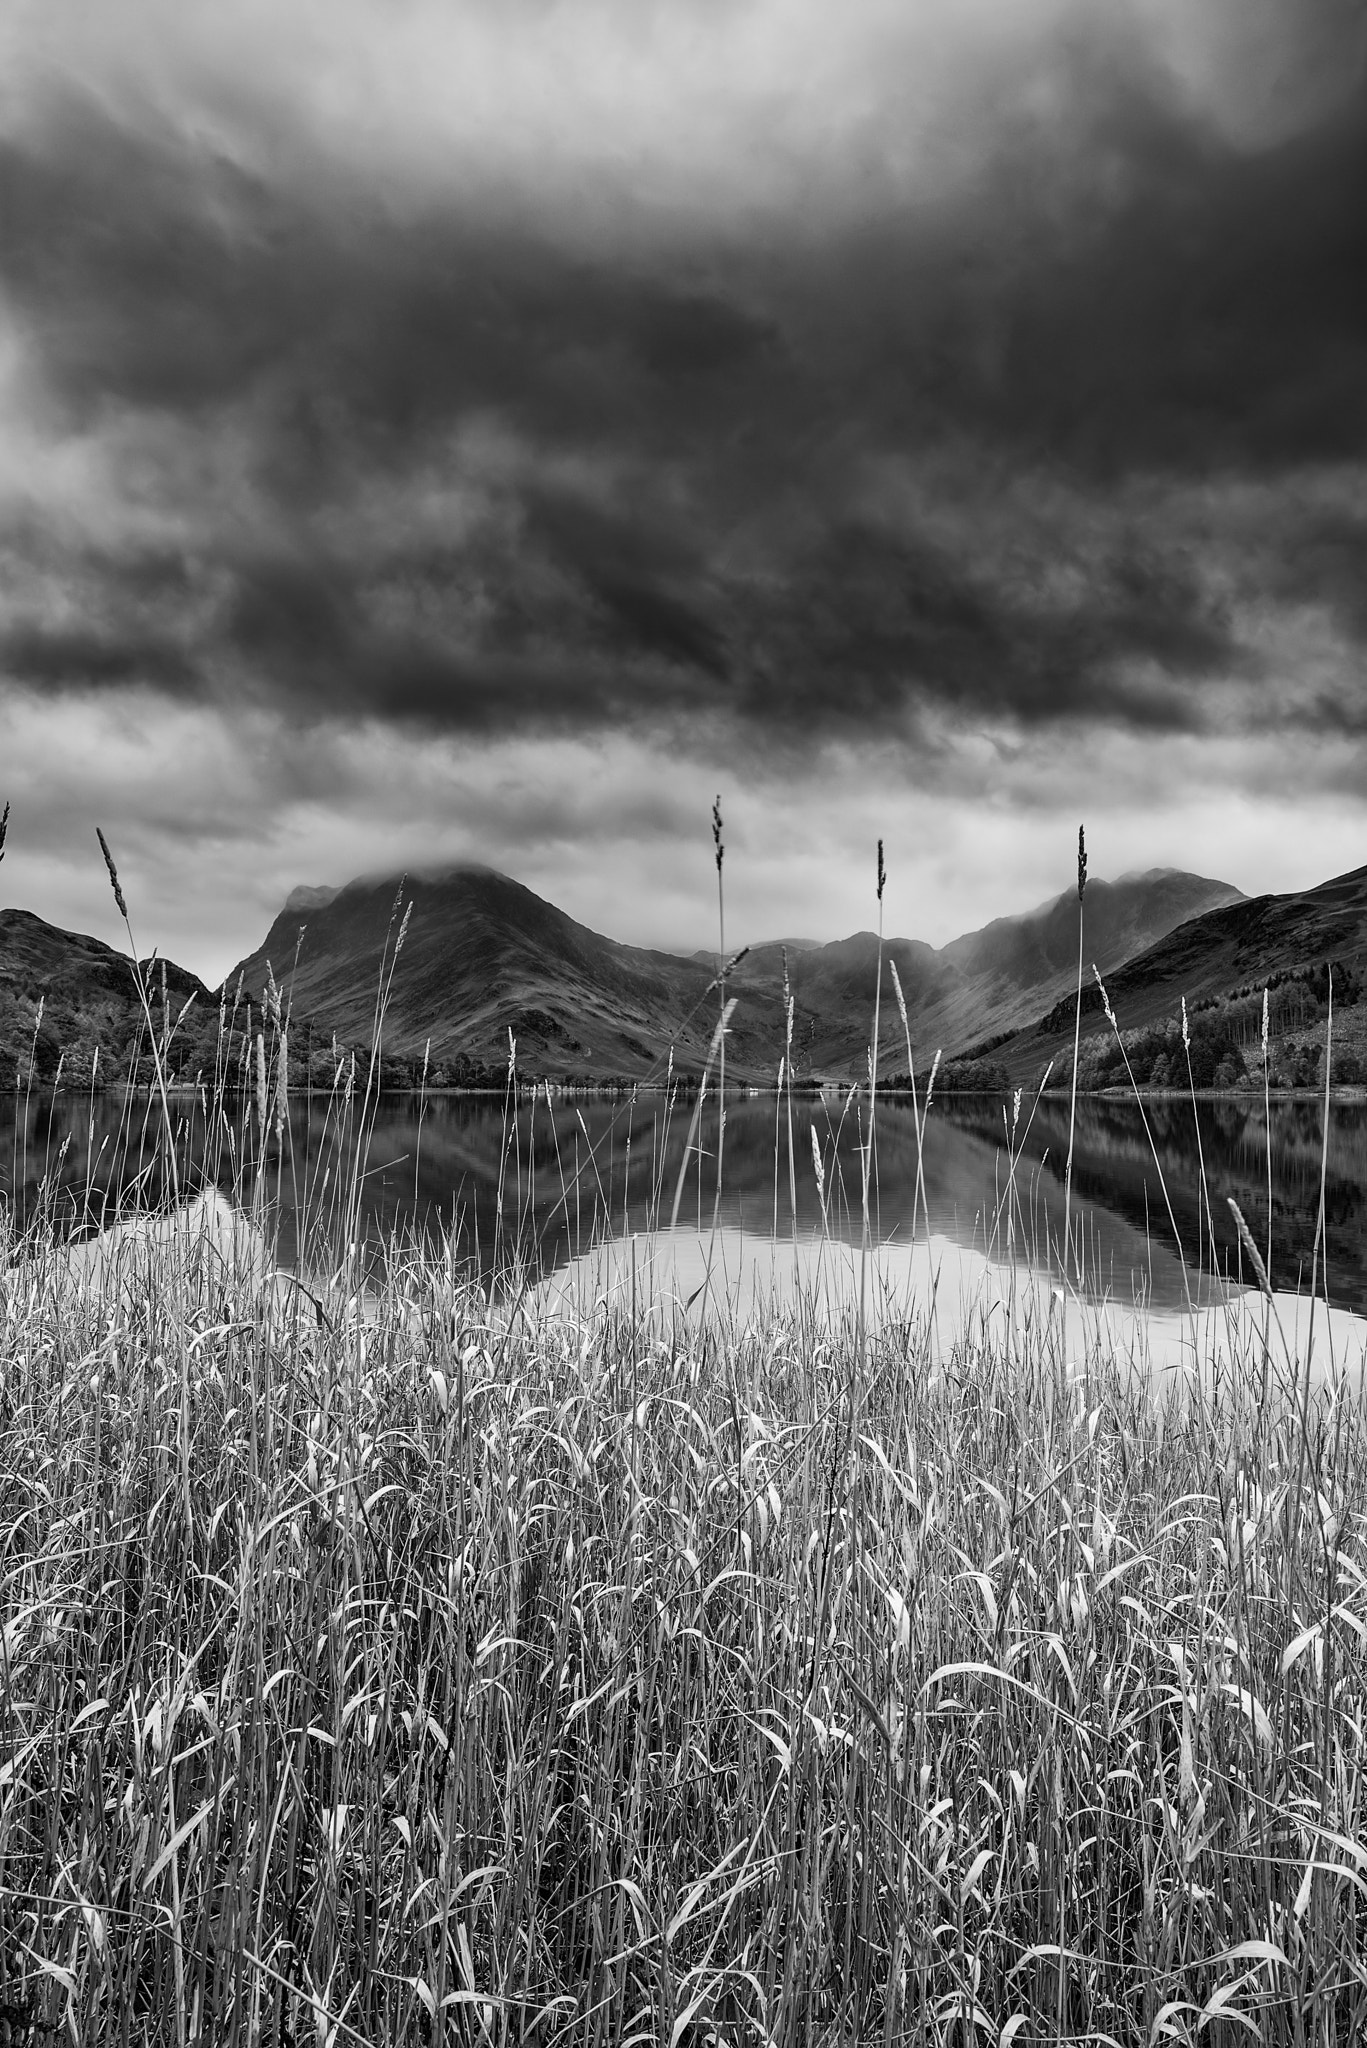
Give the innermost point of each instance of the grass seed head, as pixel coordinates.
(716, 833)
(113, 872)
(1246, 1239)
(729, 967)
(4, 828)
(261, 1083)
(882, 871)
(1081, 862)
(282, 1084)
(901, 999)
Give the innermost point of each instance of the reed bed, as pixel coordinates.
(453, 1675)
(383, 1660)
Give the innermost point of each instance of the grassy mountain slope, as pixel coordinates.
(87, 998)
(1238, 945)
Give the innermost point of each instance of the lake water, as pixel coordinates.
(558, 1178)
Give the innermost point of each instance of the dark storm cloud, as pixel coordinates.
(1199, 305)
(85, 659)
(426, 460)
(1323, 557)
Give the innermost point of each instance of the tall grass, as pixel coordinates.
(719, 850)
(867, 1144)
(140, 983)
(420, 1666)
(496, 1679)
(1077, 1041)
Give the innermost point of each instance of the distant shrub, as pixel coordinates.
(974, 1077)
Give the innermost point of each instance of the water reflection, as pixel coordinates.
(937, 1292)
(556, 1177)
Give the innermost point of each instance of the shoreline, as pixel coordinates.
(181, 1091)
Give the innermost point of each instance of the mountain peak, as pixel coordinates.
(430, 875)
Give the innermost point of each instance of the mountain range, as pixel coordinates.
(482, 957)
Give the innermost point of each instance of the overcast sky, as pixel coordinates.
(434, 429)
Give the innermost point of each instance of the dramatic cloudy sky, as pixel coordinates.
(445, 428)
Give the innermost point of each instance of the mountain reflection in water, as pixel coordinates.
(559, 1176)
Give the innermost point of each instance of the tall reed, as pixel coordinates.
(719, 849)
(866, 1150)
(788, 1077)
(1077, 1041)
(1152, 1142)
(139, 982)
(1200, 1160)
(918, 1115)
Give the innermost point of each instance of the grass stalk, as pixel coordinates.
(866, 1150)
(788, 1076)
(1153, 1145)
(1200, 1154)
(918, 1116)
(719, 849)
(1077, 1041)
(139, 983)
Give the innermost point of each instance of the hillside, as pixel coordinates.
(1220, 962)
(1027, 954)
(88, 999)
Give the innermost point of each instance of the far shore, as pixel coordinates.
(185, 1091)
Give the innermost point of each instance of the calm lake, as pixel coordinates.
(562, 1177)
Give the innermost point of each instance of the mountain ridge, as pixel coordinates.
(484, 956)
(1233, 949)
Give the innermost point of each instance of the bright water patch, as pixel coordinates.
(942, 1292)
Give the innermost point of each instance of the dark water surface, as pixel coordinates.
(556, 1176)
